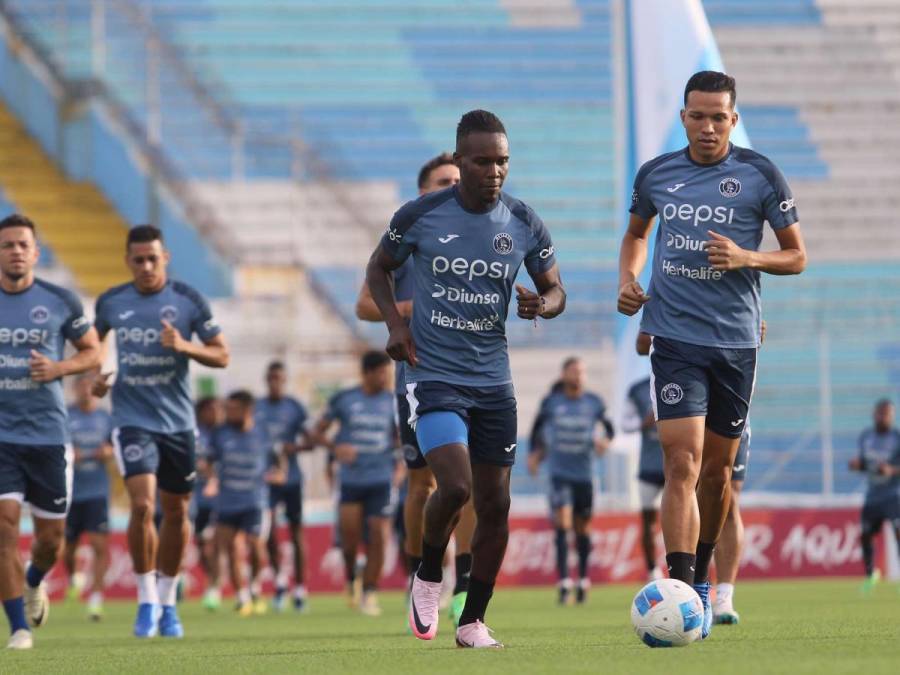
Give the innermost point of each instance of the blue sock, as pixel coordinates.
(34, 576)
(15, 612)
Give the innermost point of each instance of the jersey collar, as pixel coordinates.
(687, 154)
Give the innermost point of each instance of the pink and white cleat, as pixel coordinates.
(424, 608)
(476, 636)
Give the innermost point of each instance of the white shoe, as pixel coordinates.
(21, 639)
(424, 610)
(476, 636)
(655, 574)
(37, 604)
(369, 605)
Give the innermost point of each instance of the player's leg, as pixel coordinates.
(174, 536)
(276, 497)
(583, 508)
(294, 512)
(46, 546)
(379, 526)
(207, 545)
(73, 534)
(561, 515)
(256, 532)
(872, 522)
(99, 543)
(12, 574)
(350, 517)
(421, 485)
(728, 559)
(465, 530)
(229, 544)
(650, 495)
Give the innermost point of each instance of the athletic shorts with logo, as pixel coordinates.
(292, 498)
(411, 454)
(90, 515)
(874, 515)
(577, 494)
(170, 457)
(253, 521)
(377, 499)
(38, 474)
(692, 380)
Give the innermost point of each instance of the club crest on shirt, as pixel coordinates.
(503, 243)
(39, 314)
(168, 313)
(730, 187)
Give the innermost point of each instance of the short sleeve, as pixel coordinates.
(333, 408)
(777, 200)
(400, 239)
(300, 422)
(542, 256)
(641, 202)
(101, 323)
(202, 322)
(76, 323)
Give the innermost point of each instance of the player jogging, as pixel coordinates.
(703, 309)
(153, 319)
(209, 415)
(566, 433)
(36, 320)
(467, 243)
(438, 173)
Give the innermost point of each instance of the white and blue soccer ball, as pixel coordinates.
(667, 613)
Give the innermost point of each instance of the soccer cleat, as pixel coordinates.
(95, 610)
(260, 606)
(725, 616)
(703, 591)
(424, 608)
(456, 607)
(581, 591)
(476, 636)
(244, 609)
(870, 582)
(565, 592)
(369, 605)
(279, 600)
(146, 621)
(300, 605)
(21, 639)
(37, 604)
(169, 623)
(212, 599)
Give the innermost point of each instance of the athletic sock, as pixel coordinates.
(724, 592)
(95, 598)
(681, 566)
(583, 546)
(562, 554)
(146, 588)
(244, 596)
(432, 561)
(167, 588)
(463, 570)
(15, 612)
(34, 575)
(477, 600)
(414, 561)
(703, 559)
(868, 552)
(300, 592)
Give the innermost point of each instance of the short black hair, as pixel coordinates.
(883, 403)
(143, 234)
(242, 396)
(17, 220)
(275, 365)
(711, 81)
(570, 361)
(478, 121)
(425, 172)
(204, 403)
(373, 360)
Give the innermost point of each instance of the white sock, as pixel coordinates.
(146, 586)
(724, 592)
(281, 581)
(96, 598)
(244, 595)
(300, 592)
(168, 590)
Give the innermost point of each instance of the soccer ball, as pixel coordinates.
(667, 613)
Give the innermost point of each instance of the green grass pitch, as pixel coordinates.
(794, 627)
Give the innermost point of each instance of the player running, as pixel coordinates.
(209, 416)
(36, 320)
(467, 243)
(438, 173)
(566, 429)
(90, 428)
(284, 419)
(153, 319)
(365, 447)
(731, 543)
(879, 459)
(703, 309)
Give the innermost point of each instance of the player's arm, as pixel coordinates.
(212, 352)
(380, 280)
(277, 472)
(602, 443)
(725, 255)
(367, 310)
(550, 299)
(632, 258)
(318, 435)
(86, 357)
(537, 450)
(858, 463)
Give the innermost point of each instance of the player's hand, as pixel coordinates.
(170, 338)
(400, 345)
(211, 489)
(724, 254)
(43, 369)
(276, 477)
(601, 445)
(100, 387)
(534, 464)
(885, 469)
(345, 453)
(855, 464)
(530, 304)
(631, 298)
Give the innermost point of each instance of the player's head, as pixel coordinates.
(574, 374)
(209, 412)
(83, 397)
(18, 247)
(708, 115)
(239, 408)
(438, 173)
(147, 257)
(376, 371)
(276, 379)
(642, 344)
(884, 414)
(482, 155)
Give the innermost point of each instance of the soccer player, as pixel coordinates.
(566, 425)
(651, 478)
(90, 428)
(243, 463)
(879, 459)
(365, 447)
(438, 173)
(153, 319)
(703, 309)
(731, 543)
(209, 416)
(284, 419)
(36, 320)
(467, 243)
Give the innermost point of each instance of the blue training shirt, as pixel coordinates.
(368, 423)
(152, 389)
(567, 428)
(650, 465)
(689, 300)
(284, 420)
(242, 459)
(875, 449)
(89, 432)
(465, 265)
(40, 318)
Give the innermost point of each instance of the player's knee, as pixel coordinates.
(493, 511)
(456, 493)
(9, 532)
(420, 491)
(48, 542)
(143, 509)
(716, 476)
(681, 469)
(175, 510)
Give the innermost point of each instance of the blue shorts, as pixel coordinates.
(410, 444)
(254, 521)
(578, 494)
(170, 457)
(292, 498)
(742, 459)
(38, 474)
(874, 514)
(488, 416)
(377, 500)
(695, 381)
(91, 515)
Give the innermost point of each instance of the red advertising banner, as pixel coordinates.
(780, 543)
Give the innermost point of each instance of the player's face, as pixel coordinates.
(442, 177)
(483, 160)
(276, 381)
(575, 375)
(708, 120)
(18, 252)
(148, 262)
(210, 415)
(884, 416)
(237, 413)
(378, 379)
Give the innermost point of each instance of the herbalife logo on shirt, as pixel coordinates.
(699, 273)
(461, 323)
